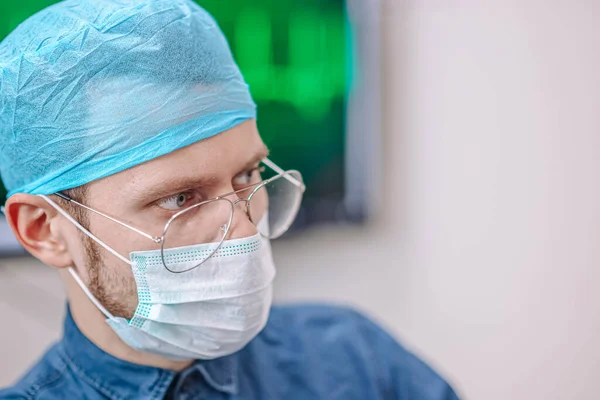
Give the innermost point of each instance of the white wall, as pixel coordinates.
(487, 259)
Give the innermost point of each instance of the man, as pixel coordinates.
(134, 167)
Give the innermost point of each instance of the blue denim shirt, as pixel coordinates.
(305, 352)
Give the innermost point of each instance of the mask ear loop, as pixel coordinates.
(88, 233)
(72, 271)
(90, 295)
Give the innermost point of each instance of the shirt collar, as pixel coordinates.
(111, 374)
(220, 373)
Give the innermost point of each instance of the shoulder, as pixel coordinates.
(41, 381)
(317, 316)
(341, 336)
(331, 324)
(317, 326)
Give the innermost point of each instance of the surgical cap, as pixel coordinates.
(89, 88)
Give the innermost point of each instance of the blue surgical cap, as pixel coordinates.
(89, 88)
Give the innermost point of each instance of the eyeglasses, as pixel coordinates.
(272, 205)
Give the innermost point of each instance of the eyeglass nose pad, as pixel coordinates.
(235, 203)
(240, 228)
(245, 208)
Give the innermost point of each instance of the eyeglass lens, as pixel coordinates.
(271, 207)
(281, 198)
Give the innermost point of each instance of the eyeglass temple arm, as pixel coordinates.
(277, 169)
(69, 199)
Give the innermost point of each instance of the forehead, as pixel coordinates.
(219, 155)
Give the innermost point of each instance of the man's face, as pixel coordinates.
(147, 195)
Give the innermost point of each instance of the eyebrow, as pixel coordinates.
(258, 157)
(181, 184)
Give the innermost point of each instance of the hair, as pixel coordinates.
(80, 195)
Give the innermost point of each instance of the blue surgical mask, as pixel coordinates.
(208, 312)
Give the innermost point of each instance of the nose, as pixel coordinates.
(241, 226)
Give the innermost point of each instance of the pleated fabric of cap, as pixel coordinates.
(89, 88)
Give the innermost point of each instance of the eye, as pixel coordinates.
(247, 178)
(175, 202)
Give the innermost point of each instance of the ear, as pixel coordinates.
(37, 226)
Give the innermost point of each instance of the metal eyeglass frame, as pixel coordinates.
(280, 174)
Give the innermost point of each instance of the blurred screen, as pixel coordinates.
(293, 54)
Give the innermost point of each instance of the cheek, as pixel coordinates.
(116, 283)
(114, 276)
(121, 239)
(74, 239)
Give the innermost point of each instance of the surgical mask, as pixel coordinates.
(207, 312)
